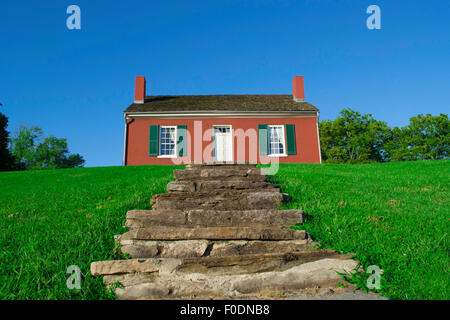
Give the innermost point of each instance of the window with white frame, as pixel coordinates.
(167, 141)
(276, 140)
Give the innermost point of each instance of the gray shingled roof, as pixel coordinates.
(273, 102)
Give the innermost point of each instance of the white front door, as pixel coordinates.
(223, 143)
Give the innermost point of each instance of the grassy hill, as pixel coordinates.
(394, 215)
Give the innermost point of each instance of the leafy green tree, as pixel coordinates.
(23, 145)
(52, 153)
(424, 138)
(397, 145)
(34, 151)
(7, 161)
(353, 137)
(428, 137)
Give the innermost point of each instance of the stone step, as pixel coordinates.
(150, 284)
(229, 184)
(219, 200)
(201, 248)
(218, 234)
(224, 165)
(220, 164)
(241, 264)
(238, 247)
(213, 218)
(219, 173)
(214, 233)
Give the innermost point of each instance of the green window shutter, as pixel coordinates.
(290, 139)
(181, 140)
(153, 141)
(262, 139)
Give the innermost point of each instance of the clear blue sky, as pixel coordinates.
(76, 83)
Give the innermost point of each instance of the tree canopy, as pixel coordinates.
(354, 137)
(34, 151)
(425, 138)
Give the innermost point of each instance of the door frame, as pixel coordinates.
(214, 141)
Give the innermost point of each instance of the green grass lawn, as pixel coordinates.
(52, 219)
(392, 215)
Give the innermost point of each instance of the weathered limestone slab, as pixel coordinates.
(124, 266)
(317, 273)
(197, 285)
(165, 249)
(141, 249)
(199, 248)
(216, 164)
(129, 279)
(213, 218)
(219, 200)
(207, 185)
(240, 264)
(264, 217)
(238, 247)
(214, 233)
(165, 217)
(148, 290)
(219, 172)
(251, 263)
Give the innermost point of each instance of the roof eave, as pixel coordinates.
(220, 113)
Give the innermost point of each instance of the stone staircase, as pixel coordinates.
(218, 234)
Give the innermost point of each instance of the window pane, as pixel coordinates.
(167, 141)
(276, 140)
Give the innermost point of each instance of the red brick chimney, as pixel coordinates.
(139, 89)
(298, 90)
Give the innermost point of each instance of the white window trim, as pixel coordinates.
(281, 155)
(283, 140)
(159, 143)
